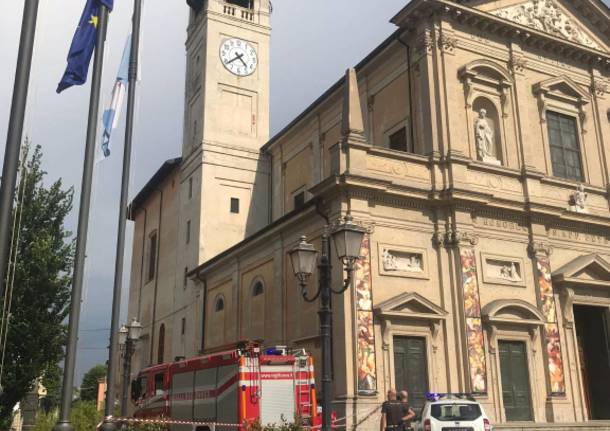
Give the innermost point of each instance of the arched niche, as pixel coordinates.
(487, 128)
(489, 85)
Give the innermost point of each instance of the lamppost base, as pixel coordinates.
(63, 426)
(109, 426)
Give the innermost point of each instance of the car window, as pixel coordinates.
(159, 384)
(455, 412)
(142, 388)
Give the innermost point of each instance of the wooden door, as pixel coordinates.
(515, 381)
(411, 368)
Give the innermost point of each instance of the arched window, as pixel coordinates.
(219, 304)
(258, 288)
(161, 347)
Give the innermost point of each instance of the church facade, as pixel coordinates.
(473, 145)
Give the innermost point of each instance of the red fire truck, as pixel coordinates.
(241, 385)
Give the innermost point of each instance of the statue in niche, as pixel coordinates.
(485, 138)
(579, 200)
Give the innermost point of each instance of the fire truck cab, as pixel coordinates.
(238, 386)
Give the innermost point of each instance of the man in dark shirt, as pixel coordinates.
(393, 413)
(409, 414)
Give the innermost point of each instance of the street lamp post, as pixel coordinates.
(128, 337)
(347, 238)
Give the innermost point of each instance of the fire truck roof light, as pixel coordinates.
(276, 351)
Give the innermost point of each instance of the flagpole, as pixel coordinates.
(63, 423)
(113, 357)
(15, 133)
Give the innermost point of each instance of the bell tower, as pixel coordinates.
(227, 92)
(226, 121)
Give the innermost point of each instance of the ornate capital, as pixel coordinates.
(518, 64)
(599, 88)
(540, 248)
(464, 238)
(438, 239)
(424, 43)
(447, 43)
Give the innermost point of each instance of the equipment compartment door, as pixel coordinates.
(277, 394)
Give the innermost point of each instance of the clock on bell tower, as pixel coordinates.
(226, 121)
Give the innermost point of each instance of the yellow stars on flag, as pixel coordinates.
(93, 20)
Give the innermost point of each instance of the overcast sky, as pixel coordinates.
(313, 42)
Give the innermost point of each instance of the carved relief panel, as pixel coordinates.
(503, 270)
(398, 261)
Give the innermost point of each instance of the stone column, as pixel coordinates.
(541, 253)
(473, 325)
(365, 342)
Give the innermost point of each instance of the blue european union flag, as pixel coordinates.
(83, 45)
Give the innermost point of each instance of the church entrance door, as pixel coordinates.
(410, 368)
(515, 381)
(593, 335)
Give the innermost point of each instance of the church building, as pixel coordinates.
(473, 145)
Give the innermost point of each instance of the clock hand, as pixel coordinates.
(237, 57)
(242, 60)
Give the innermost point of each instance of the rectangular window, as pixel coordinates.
(183, 326)
(152, 256)
(299, 200)
(191, 188)
(565, 149)
(398, 140)
(235, 205)
(188, 231)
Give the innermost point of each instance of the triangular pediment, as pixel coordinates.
(410, 304)
(584, 22)
(591, 269)
(549, 16)
(562, 86)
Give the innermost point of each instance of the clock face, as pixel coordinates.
(238, 57)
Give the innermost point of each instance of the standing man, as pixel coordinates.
(392, 413)
(408, 412)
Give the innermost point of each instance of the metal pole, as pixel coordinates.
(120, 247)
(129, 351)
(325, 314)
(63, 423)
(15, 132)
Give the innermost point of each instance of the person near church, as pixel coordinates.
(409, 414)
(394, 413)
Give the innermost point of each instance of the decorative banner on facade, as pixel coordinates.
(474, 328)
(551, 328)
(367, 370)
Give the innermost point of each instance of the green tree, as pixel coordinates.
(40, 292)
(88, 389)
(52, 379)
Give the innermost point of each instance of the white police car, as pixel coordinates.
(452, 412)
